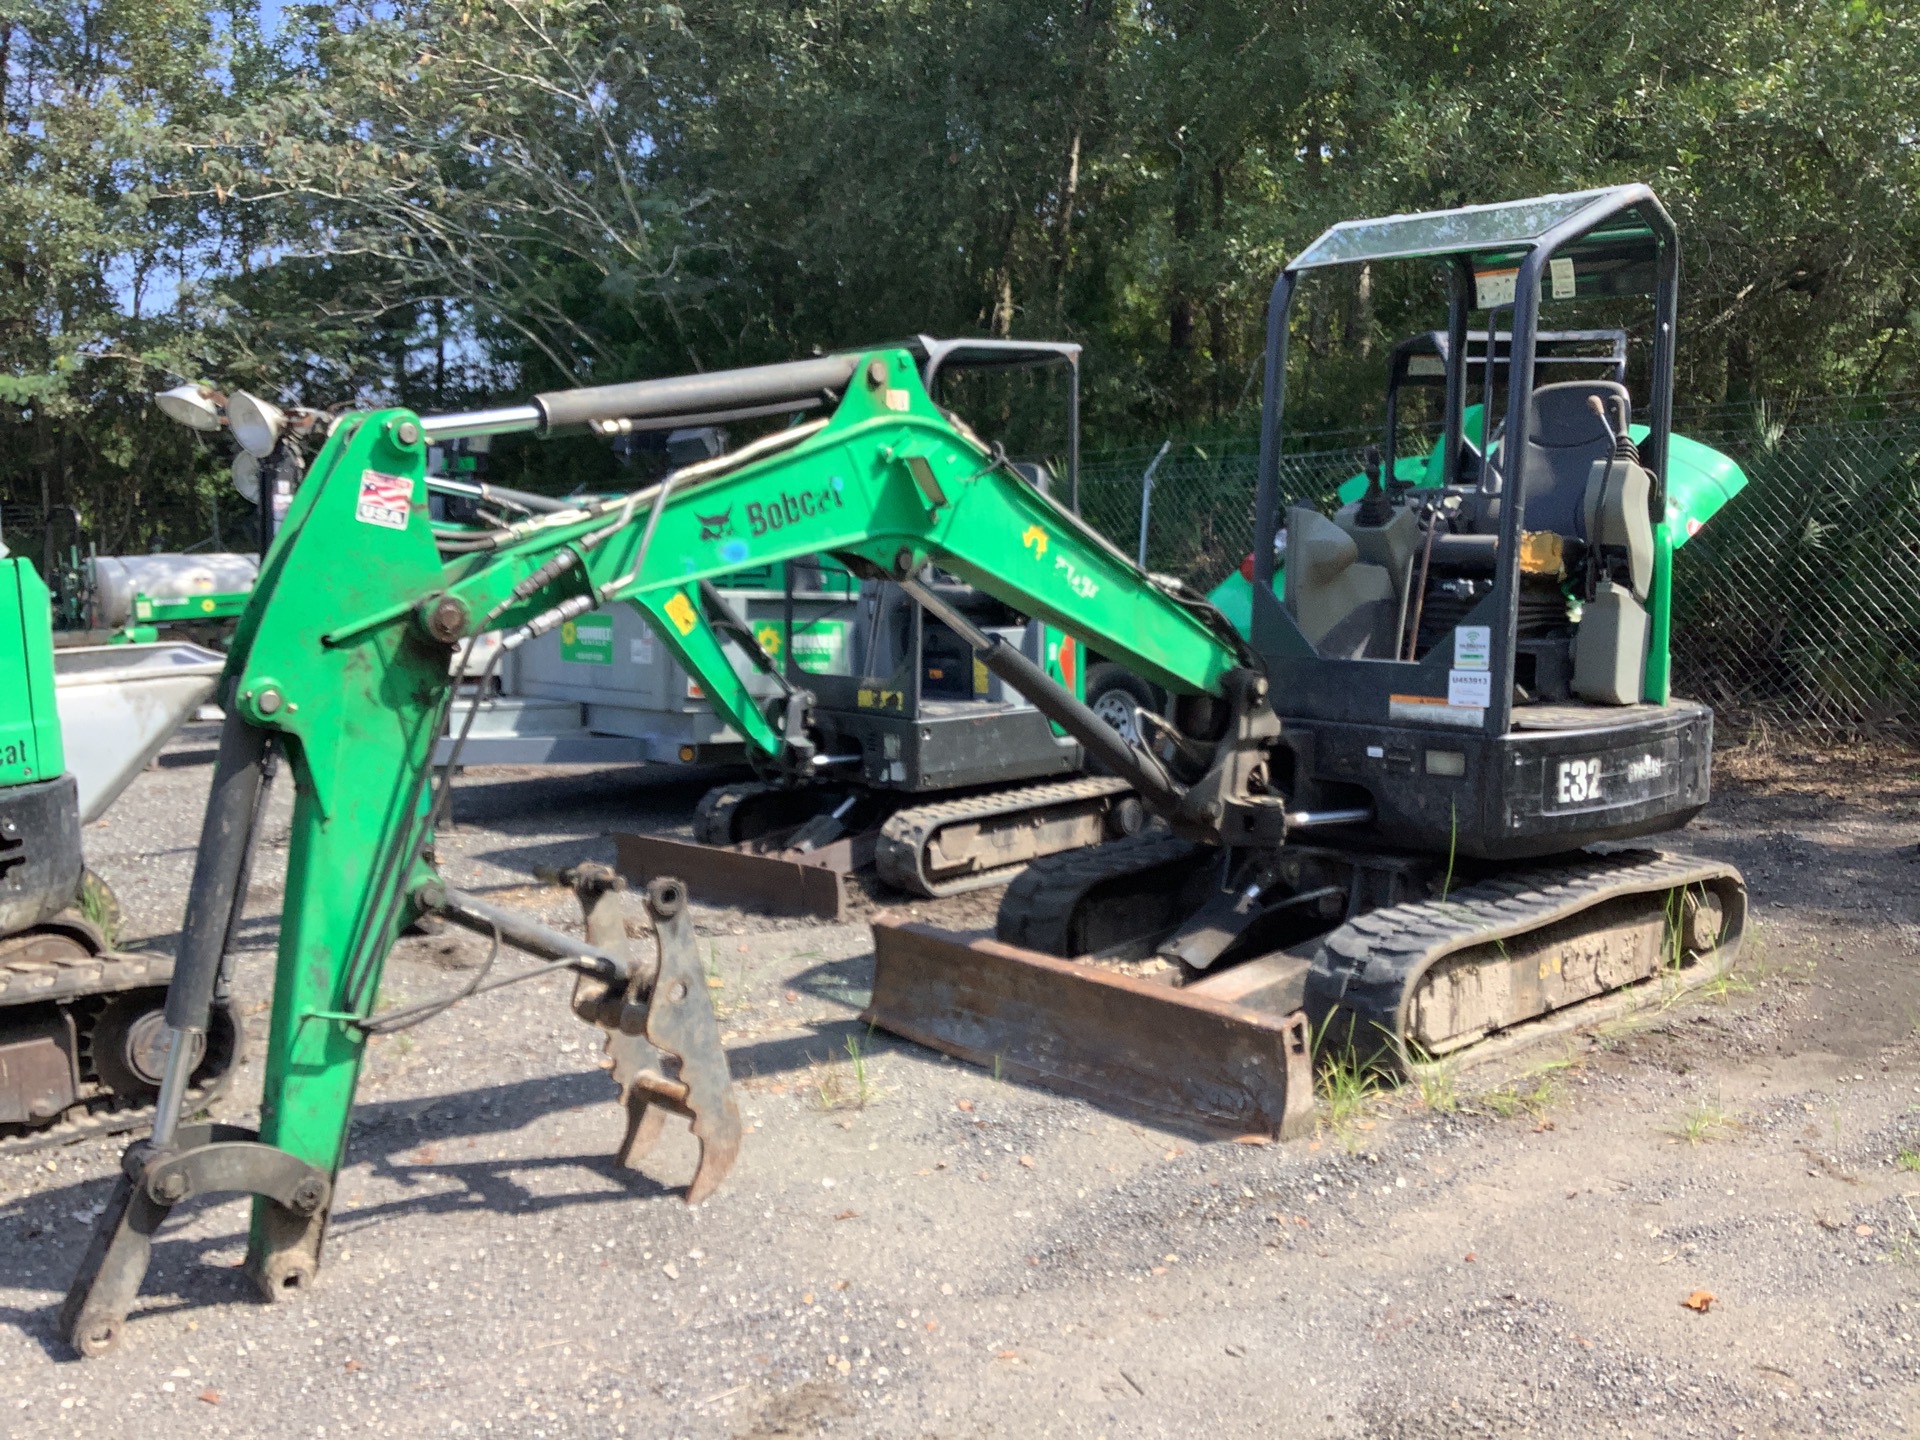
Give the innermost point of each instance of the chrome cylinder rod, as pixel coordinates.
(507, 420)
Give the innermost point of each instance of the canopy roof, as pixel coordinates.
(1490, 230)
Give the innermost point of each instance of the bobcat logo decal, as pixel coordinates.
(715, 527)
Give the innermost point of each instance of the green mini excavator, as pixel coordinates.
(1388, 849)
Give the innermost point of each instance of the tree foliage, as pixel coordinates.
(444, 202)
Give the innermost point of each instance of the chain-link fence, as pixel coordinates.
(1796, 608)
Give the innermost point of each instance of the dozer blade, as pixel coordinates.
(773, 881)
(1175, 1057)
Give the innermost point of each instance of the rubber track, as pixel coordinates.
(100, 1116)
(73, 978)
(900, 853)
(1038, 910)
(1368, 965)
(712, 817)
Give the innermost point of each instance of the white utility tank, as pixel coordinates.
(117, 578)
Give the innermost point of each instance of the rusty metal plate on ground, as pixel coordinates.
(735, 875)
(1167, 1055)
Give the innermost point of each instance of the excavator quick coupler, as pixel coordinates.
(662, 1036)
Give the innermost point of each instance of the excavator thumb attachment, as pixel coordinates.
(662, 1037)
(1178, 1057)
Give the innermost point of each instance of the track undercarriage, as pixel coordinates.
(83, 1041)
(789, 849)
(1391, 958)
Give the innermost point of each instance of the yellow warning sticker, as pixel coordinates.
(680, 610)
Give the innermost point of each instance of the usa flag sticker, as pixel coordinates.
(384, 500)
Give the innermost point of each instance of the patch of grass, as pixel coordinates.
(99, 908)
(1907, 1160)
(1433, 1084)
(1674, 945)
(844, 1085)
(1704, 1122)
(1349, 1087)
(1724, 986)
(1349, 1091)
(1531, 1094)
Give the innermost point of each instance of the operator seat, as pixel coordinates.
(1564, 438)
(1343, 606)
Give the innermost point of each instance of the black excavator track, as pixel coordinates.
(952, 846)
(52, 979)
(1426, 979)
(1114, 901)
(730, 814)
(942, 847)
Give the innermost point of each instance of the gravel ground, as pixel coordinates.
(910, 1248)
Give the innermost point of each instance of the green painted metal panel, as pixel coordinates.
(30, 743)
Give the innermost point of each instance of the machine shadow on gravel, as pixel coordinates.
(185, 1272)
(627, 795)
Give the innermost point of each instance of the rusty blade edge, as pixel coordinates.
(1082, 971)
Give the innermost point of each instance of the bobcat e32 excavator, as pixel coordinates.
(1383, 848)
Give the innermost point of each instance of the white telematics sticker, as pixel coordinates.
(1473, 647)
